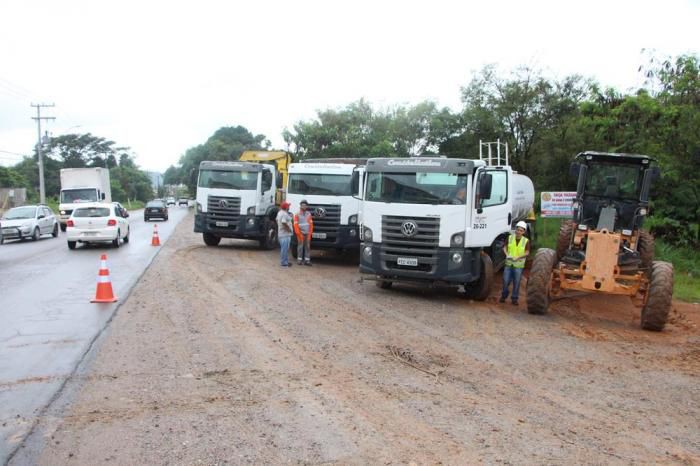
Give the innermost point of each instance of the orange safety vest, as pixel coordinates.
(308, 219)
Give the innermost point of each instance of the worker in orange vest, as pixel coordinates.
(303, 229)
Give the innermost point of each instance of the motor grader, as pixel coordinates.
(603, 248)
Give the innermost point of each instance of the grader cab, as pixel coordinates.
(603, 248)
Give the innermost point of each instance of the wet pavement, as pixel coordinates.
(47, 322)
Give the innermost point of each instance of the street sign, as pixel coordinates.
(557, 204)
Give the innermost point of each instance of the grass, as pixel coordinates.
(686, 261)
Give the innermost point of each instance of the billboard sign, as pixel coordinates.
(557, 204)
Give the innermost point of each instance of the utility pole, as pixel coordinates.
(38, 118)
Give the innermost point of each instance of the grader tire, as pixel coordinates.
(645, 247)
(480, 289)
(565, 231)
(538, 282)
(655, 311)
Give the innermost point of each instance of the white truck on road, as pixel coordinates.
(237, 200)
(434, 220)
(81, 185)
(332, 192)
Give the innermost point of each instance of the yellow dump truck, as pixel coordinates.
(280, 159)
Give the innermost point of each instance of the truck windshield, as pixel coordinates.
(226, 179)
(321, 184)
(417, 188)
(72, 196)
(621, 181)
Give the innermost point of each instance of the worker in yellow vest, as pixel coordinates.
(517, 249)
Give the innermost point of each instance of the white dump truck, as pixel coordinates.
(331, 188)
(81, 185)
(237, 200)
(436, 220)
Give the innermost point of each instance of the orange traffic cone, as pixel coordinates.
(155, 241)
(104, 293)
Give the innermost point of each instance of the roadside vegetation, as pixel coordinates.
(128, 182)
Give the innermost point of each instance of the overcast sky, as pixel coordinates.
(161, 77)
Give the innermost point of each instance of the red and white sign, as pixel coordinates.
(557, 204)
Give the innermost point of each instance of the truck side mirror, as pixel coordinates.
(103, 196)
(355, 184)
(279, 180)
(485, 186)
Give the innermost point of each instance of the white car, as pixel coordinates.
(97, 223)
(29, 221)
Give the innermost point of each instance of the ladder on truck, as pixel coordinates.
(489, 157)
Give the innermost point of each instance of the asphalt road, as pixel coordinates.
(47, 322)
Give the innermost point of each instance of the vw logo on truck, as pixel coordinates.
(319, 212)
(409, 229)
(223, 203)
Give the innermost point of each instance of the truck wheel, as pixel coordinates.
(211, 240)
(480, 288)
(54, 233)
(660, 294)
(566, 230)
(538, 282)
(645, 248)
(71, 244)
(270, 239)
(383, 284)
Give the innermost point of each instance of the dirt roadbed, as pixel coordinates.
(221, 356)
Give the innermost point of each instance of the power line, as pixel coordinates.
(14, 153)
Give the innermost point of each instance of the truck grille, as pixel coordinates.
(326, 220)
(223, 209)
(423, 245)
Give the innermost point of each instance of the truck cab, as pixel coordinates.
(332, 193)
(237, 200)
(434, 220)
(81, 185)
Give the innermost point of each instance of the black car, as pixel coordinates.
(155, 209)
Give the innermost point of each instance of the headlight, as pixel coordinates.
(457, 239)
(642, 211)
(582, 227)
(367, 252)
(457, 257)
(352, 220)
(627, 232)
(63, 212)
(251, 221)
(199, 208)
(251, 210)
(353, 232)
(367, 234)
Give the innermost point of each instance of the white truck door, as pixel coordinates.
(491, 216)
(267, 189)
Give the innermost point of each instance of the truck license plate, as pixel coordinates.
(221, 224)
(412, 261)
(318, 235)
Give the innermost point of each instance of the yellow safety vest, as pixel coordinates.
(516, 250)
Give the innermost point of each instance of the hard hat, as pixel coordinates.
(284, 205)
(521, 224)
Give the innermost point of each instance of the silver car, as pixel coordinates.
(29, 221)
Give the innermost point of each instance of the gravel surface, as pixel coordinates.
(221, 356)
